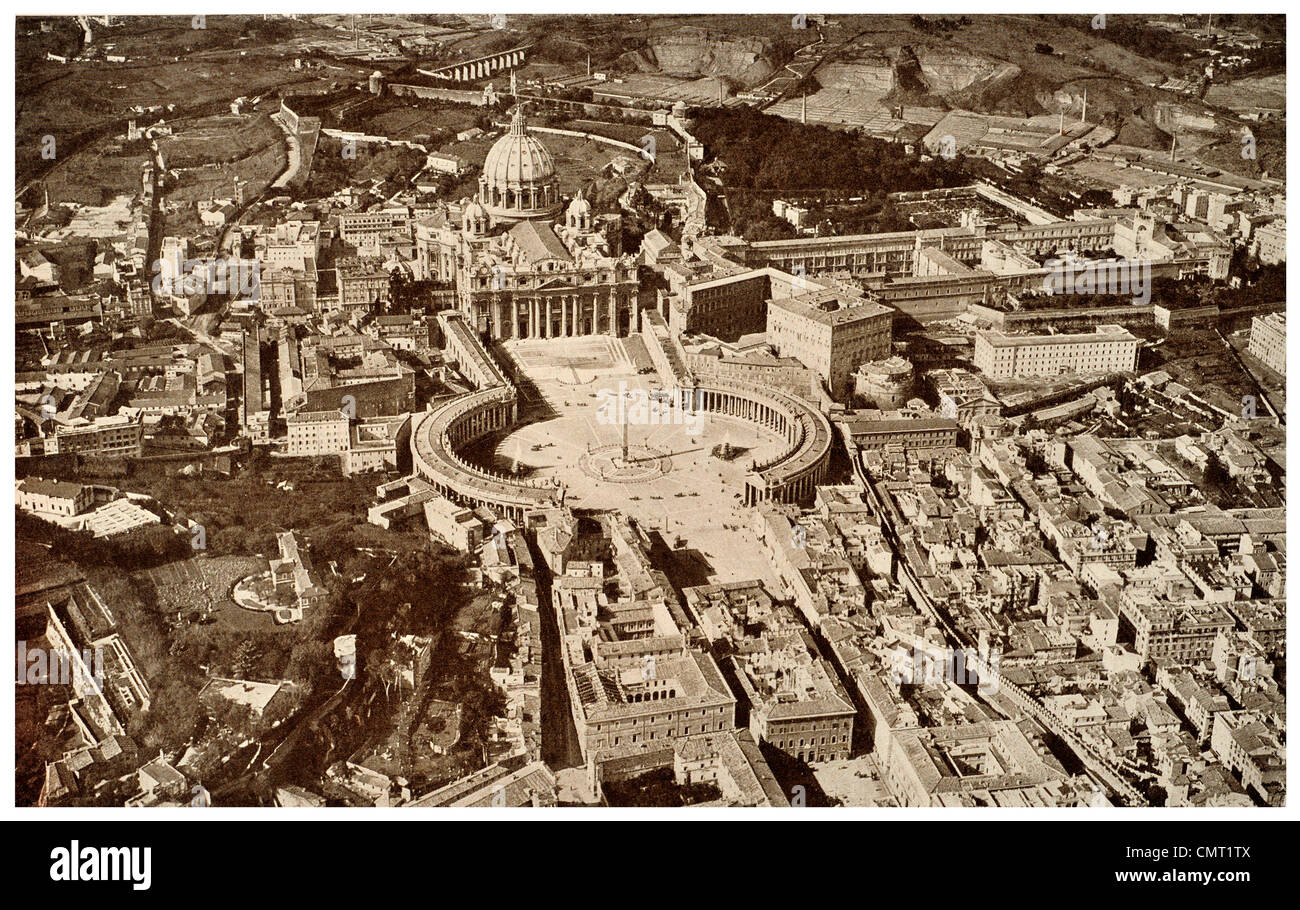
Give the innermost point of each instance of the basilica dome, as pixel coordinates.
(518, 179)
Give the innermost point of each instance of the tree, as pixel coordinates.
(312, 662)
(1216, 478)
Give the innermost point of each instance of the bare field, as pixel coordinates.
(412, 122)
(210, 154)
(168, 63)
(1268, 92)
(95, 176)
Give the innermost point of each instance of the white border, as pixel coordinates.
(580, 7)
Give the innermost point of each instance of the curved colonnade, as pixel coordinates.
(788, 476)
(794, 472)
(439, 435)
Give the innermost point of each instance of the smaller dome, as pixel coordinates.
(579, 205)
(474, 217)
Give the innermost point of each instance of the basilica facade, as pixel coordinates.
(525, 264)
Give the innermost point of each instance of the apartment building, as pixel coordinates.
(363, 282)
(1109, 349)
(796, 704)
(362, 228)
(314, 433)
(52, 497)
(1270, 243)
(870, 430)
(1182, 631)
(1268, 340)
(118, 436)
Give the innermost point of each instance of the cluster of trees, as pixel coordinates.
(1146, 40)
(142, 548)
(335, 166)
(1259, 284)
(762, 151)
(420, 594)
(1217, 483)
(658, 788)
(937, 25)
(267, 31)
(405, 294)
(766, 157)
(450, 186)
(1074, 301)
(1262, 59)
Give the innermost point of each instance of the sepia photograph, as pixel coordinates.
(645, 409)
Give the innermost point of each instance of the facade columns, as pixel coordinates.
(564, 316)
(548, 318)
(514, 318)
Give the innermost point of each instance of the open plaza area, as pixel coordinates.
(673, 482)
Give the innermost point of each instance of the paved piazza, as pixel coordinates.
(674, 479)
